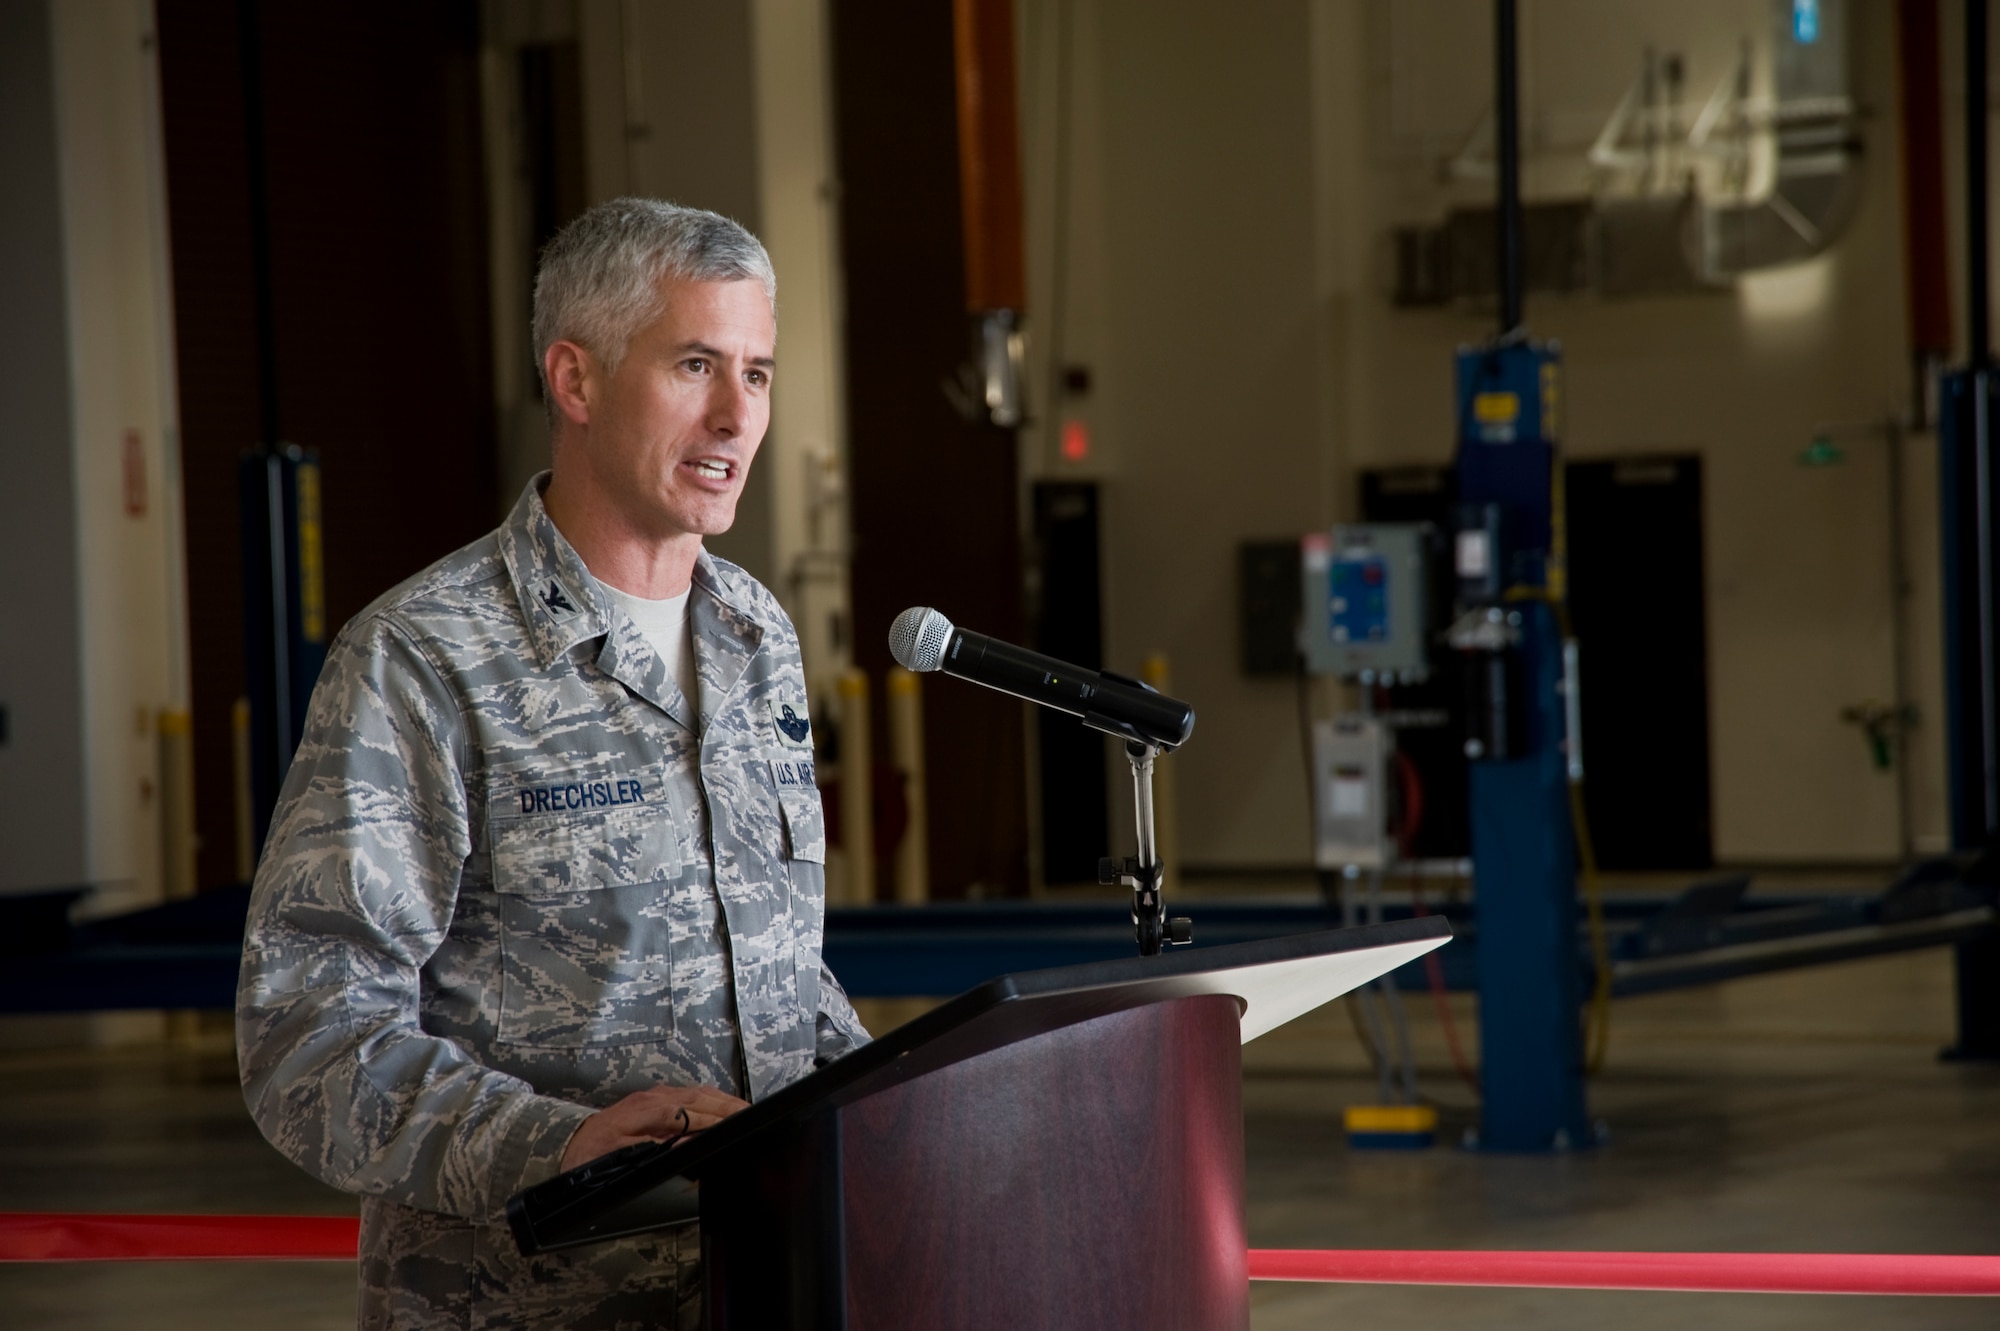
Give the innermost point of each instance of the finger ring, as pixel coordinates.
(685, 1121)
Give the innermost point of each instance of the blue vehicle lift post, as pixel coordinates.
(1969, 495)
(1510, 579)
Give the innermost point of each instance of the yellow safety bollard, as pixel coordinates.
(906, 744)
(857, 805)
(177, 842)
(246, 813)
(175, 729)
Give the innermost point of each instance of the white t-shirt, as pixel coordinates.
(665, 624)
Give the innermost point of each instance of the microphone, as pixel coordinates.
(921, 639)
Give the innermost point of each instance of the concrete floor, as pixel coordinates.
(1802, 1112)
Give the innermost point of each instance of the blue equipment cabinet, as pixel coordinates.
(1509, 562)
(1968, 400)
(1969, 498)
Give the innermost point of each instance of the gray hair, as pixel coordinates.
(599, 281)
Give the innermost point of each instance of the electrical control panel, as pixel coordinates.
(1351, 758)
(1366, 609)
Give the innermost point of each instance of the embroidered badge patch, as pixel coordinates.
(555, 597)
(794, 730)
(792, 775)
(559, 796)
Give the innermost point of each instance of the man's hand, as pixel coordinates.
(656, 1115)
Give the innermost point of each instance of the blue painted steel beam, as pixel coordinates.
(117, 978)
(1531, 1040)
(1530, 991)
(186, 957)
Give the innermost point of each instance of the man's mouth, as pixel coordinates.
(712, 469)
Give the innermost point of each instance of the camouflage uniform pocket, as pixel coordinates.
(805, 848)
(805, 825)
(584, 938)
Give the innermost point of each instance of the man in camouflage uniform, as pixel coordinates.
(527, 898)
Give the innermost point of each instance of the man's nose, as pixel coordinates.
(729, 405)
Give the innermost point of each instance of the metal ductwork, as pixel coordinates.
(1676, 214)
(1815, 179)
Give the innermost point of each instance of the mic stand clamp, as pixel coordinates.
(1144, 873)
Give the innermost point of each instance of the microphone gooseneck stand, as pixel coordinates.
(1129, 709)
(1144, 873)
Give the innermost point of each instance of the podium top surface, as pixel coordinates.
(1273, 981)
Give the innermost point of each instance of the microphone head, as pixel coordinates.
(917, 639)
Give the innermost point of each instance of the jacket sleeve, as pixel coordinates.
(837, 1030)
(355, 891)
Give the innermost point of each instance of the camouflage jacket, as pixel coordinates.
(513, 876)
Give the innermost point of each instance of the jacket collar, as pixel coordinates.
(726, 635)
(563, 606)
(559, 599)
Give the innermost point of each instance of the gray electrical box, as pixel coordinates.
(1366, 602)
(1351, 757)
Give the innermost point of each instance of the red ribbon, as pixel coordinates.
(60, 1237)
(1716, 1272)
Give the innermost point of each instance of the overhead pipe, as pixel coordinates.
(1508, 145)
(1977, 272)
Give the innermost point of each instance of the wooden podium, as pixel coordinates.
(1055, 1148)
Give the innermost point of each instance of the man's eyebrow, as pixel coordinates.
(715, 353)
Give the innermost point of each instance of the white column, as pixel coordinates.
(804, 456)
(131, 592)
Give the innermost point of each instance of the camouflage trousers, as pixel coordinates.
(421, 1270)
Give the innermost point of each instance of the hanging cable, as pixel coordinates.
(1555, 594)
(1598, 1042)
(1434, 971)
(1411, 823)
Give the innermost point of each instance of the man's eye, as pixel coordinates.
(758, 377)
(695, 363)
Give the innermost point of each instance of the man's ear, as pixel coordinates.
(571, 374)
